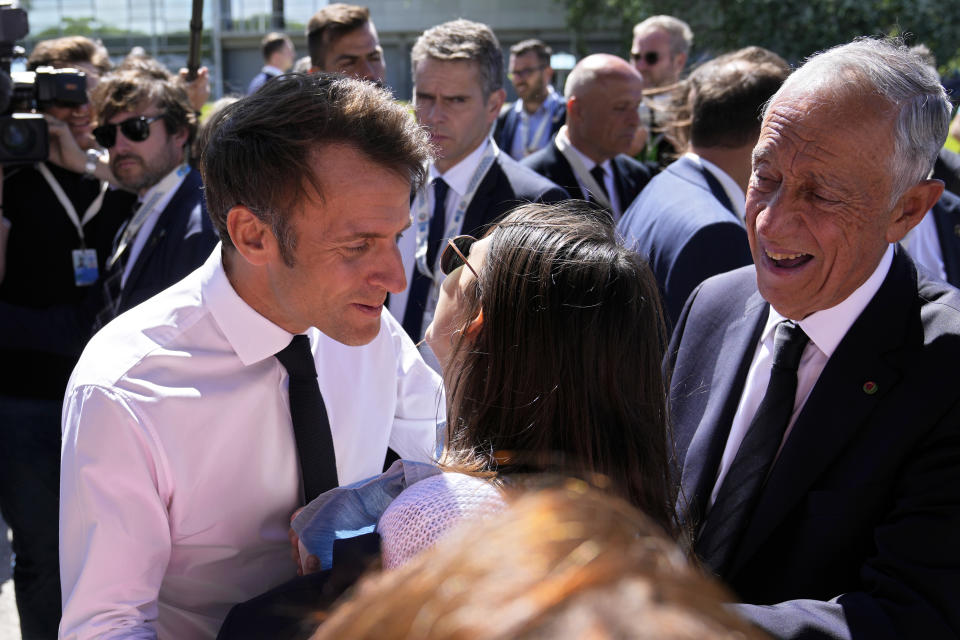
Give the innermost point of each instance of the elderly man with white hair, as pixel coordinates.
(817, 423)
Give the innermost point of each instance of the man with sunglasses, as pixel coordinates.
(62, 221)
(588, 155)
(530, 123)
(661, 45)
(458, 92)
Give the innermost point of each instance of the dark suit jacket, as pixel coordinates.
(629, 175)
(506, 185)
(687, 230)
(946, 215)
(509, 119)
(179, 243)
(947, 168)
(863, 503)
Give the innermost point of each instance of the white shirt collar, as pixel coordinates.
(587, 162)
(252, 336)
(827, 327)
(458, 176)
(736, 195)
(552, 96)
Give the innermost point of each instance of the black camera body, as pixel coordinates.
(23, 132)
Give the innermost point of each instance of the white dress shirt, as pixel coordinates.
(734, 193)
(923, 244)
(180, 469)
(608, 182)
(826, 329)
(152, 216)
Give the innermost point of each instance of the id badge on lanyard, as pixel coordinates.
(84, 260)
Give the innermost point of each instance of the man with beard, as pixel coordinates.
(59, 219)
(341, 38)
(148, 124)
(531, 122)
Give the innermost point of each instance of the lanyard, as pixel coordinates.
(88, 215)
(170, 182)
(563, 144)
(453, 227)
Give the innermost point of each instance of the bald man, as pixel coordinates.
(587, 156)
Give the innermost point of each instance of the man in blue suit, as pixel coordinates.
(817, 424)
(688, 221)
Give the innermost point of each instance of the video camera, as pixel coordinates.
(23, 132)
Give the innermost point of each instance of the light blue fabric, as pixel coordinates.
(354, 509)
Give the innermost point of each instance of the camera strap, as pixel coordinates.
(67, 205)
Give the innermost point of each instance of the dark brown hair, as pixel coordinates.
(728, 93)
(128, 89)
(566, 563)
(67, 51)
(258, 151)
(466, 41)
(329, 24)
(273, 42)
(564, 373)
(538, 47)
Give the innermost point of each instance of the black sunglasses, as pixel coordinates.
(650, 57)
(134, 129)
(455, 255)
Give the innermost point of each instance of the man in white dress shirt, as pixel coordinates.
(180, 464)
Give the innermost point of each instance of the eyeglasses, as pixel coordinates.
(133, 129)
(523, 73)
(455, 254)
(650, 57)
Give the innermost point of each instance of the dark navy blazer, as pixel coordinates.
(629, 175)
(863, 503)
(685, 226)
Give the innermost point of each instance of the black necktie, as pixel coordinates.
(744, 481)
(311, 427)
(598, 174)
(420, 284)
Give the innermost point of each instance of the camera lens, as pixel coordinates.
(17, 137)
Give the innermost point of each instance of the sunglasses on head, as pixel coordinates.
(133, 129)
(455, 255)
(650, 57)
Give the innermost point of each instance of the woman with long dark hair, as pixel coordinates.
(550, 334)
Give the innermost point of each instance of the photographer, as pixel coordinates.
(62, 220)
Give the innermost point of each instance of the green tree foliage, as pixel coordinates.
(792, 28)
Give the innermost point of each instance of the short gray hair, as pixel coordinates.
(463, 40)
(885, 69)
(681, 35)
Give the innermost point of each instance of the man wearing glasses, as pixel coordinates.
(530, 123)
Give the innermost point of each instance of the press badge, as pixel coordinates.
(85, 270)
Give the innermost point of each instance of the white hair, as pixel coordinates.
(681, 35)
(887, 70)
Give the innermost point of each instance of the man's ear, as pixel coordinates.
(912, 206)
(252, 238)
(573, 108)
(494, 102)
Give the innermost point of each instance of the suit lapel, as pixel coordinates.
(564, 173)
(478, 213)
(623, 184)
(838, 406)
(702, 459)
(158, 233)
